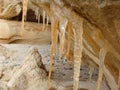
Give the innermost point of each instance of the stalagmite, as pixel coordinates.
(25, 3)
(69, 37)
(78, 46)
(102, 55)
(43, 20)
(119, 81)
(53, 47)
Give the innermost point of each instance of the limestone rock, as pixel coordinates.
(101, 29)
(3, 85)
(31, 73)
(10, 33)
(7, 73)
(5, 52)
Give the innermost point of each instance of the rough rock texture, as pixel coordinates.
(10, 32)
(1, 5)
(62, 74)
(30, 73)
(5, 52)
(101, 30)
(10, 9)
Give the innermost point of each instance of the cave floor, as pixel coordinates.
(62, 71)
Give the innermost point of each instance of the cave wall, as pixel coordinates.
(101, 29)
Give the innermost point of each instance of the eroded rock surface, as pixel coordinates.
(62, 75)
(100, 30)
(30, 74)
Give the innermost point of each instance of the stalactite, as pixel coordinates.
(63, 25)
(89, 47)
(53, 47)
(70, 28)
(60, 47)
(25, 3)
(92, 56)
(91, 72)
(100, 76)
(43, 20)
(110, 79)
(62, 37)
(93, 44)
(47, 20)
(77, 54)
(36, 13)
(118, 81)
(39, 18)
(1, 6)
(102, 55)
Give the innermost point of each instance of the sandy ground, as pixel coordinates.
(62, 70)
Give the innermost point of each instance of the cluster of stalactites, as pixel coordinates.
(77, 47)
(37, 13)
(1, 6)
(78, 40)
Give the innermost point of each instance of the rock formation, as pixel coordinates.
(10, 32)
(32, 72)
(98, 20)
